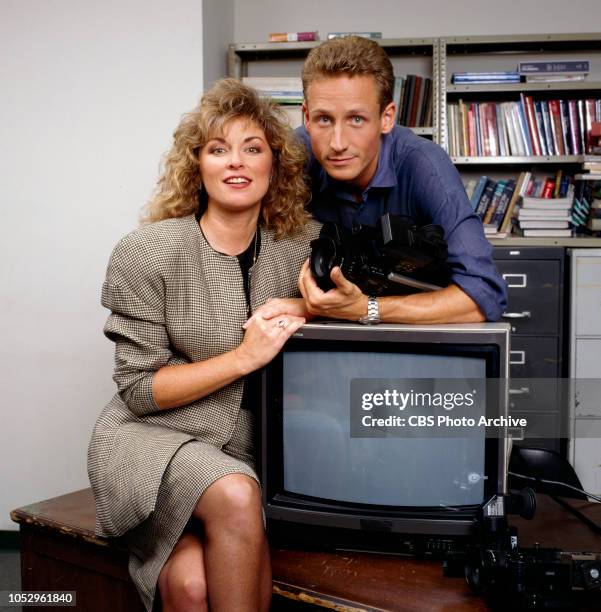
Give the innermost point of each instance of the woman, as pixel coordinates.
(171, 456)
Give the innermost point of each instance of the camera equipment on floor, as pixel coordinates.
(524, 578)
(395, 257)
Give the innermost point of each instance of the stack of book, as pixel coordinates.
(554, 71)
(479, 78)
(524, 128)
(545, 207)
(413, 96)
(286, 91)
(527, 205)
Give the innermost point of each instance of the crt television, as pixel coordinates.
(344, 459)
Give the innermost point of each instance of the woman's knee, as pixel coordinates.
(182, 588)
(232, 497)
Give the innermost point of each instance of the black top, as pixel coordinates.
(251, 394)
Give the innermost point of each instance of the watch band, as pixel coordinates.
(373, 312)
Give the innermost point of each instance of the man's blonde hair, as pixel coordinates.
(351, 56)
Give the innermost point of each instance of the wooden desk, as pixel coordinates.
(60, 552)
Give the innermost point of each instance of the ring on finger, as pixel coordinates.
(281, 323)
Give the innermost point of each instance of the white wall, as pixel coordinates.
(91, 92)
(398, 18)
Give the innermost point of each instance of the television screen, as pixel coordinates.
(321, 458)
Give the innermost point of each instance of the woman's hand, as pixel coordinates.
(278, 307)
(264, 339)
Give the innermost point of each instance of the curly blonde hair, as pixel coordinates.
(177, 193)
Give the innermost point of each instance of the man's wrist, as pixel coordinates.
(372, 312)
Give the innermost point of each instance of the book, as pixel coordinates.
(544, 105)
(535, 202)
(422, 117)
(292, 36)
(417, 93)
(528, 108)
(518, 192)
(574, 127)
(486, 198)
(538, 115)
(484, 77)
(556, 66)
(494, 202)
(556, 127)
(565, 126)
(371, 35)
(552, 77)
(547, 233)
(549, 215)
(523, 126)
(396, 97)
(504, 200)
(478, 191)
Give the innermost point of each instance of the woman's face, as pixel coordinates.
(236, 166)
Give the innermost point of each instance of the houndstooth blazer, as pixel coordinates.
(173, 300)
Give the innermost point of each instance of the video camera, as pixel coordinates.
(517, 578)
(395, 257)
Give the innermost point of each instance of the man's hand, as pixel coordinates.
(344, 301)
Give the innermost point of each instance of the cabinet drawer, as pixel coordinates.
(536, 395)
(533, 295)
(534, 357)
(538, 432)
(588, 289)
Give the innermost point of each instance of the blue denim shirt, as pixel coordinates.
(415, 177)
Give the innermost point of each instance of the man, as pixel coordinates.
(363, 165)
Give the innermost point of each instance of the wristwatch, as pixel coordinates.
(373, 312)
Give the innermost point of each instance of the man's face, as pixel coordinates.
(343, 118)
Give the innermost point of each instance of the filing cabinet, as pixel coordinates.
(535, 311)
(585, 367)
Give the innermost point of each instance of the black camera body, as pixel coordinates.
(534, 578)
(515, 578)
(390, 258)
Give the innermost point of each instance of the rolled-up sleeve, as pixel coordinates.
(441, 195)
(137, 326)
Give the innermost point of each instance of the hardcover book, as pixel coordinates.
(562, 66)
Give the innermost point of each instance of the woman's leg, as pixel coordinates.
(238, 569)
(182, 581)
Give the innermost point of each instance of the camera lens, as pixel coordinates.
(323, 259)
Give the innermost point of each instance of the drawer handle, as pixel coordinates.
(520, 280)
(519, 357)
(517, 315)
(520, 433)
(520, 391)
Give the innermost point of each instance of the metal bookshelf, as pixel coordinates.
(241, 56)
(523, 87)
(491, 53)
(519, 160)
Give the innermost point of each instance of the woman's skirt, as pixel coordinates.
(192, 469)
